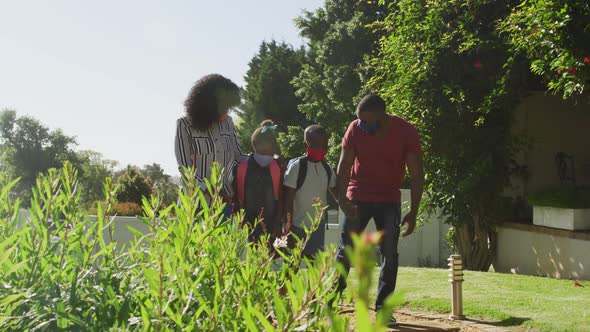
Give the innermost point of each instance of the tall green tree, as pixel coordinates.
(340, 37)
(94, 169)
(30, 148)
(457, 70)
(133, 186)
(268, 93)
(162, 184)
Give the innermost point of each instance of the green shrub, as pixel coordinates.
(126, 209)
(194, 272)
(134, 186)
(562, 197)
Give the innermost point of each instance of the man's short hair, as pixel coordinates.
(371, 103)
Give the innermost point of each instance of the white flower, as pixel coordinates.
(280, 242)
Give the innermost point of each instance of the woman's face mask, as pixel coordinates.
(263, 159)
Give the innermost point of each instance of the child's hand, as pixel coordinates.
(225, 197)
(287, 228)
(276, 233)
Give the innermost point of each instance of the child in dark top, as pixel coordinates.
(257, 183)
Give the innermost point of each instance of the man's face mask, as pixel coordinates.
(369, 128)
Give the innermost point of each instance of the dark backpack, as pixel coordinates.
(303, 171)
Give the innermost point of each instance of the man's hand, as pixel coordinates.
(349, 208)
(410, 222)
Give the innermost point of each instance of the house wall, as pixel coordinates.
(551, 125)
(542, 251)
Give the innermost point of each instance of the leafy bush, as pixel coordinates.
(291, 142)
(126, 209)
(195, 272)
(134, 186)
(562, 197)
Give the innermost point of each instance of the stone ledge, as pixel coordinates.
(578, 235)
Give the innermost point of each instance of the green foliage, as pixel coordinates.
(554, 36)
(291, 142)
(162, 184)
(29, 148)
(59, 271)
(445, 68)
(340, 37)
(128, 209)
(562, 197)
(94, 170)
(457, 71)
(134, 186)
(268, 93)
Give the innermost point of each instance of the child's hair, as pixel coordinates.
(314, 130)
(265, 135)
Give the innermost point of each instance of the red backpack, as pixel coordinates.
(275, 173)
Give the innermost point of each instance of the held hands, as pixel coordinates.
(410, 222)
(349, 208)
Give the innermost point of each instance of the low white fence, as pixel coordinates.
(426, 247)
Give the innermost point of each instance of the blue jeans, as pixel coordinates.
(387, 218)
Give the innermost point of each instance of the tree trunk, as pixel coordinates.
(476, 243)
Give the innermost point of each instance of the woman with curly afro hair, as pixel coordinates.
(206, 134)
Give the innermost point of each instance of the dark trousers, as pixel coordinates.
(387, 218)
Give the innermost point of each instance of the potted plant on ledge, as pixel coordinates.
(562, 207)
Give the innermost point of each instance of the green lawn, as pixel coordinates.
(500, 299)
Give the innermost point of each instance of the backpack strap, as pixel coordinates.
(328, 171)
(275, 173)
(302, 171)
(241, 178)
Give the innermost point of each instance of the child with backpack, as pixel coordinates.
(307, 181)
(257, 183)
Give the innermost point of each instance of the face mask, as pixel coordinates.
(369, 128)
(316, 155)
(262, 159)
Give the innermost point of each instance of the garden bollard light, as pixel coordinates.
(456, 280)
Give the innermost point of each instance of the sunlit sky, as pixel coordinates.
(115, 73)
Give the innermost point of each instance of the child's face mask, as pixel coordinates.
(263, 159)
(316, 155)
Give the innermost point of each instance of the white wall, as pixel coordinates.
(426, 247)
(534, 253)
(550, 125)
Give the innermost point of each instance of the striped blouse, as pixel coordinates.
(202, 148)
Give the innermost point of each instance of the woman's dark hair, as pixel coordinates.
(210, 97)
